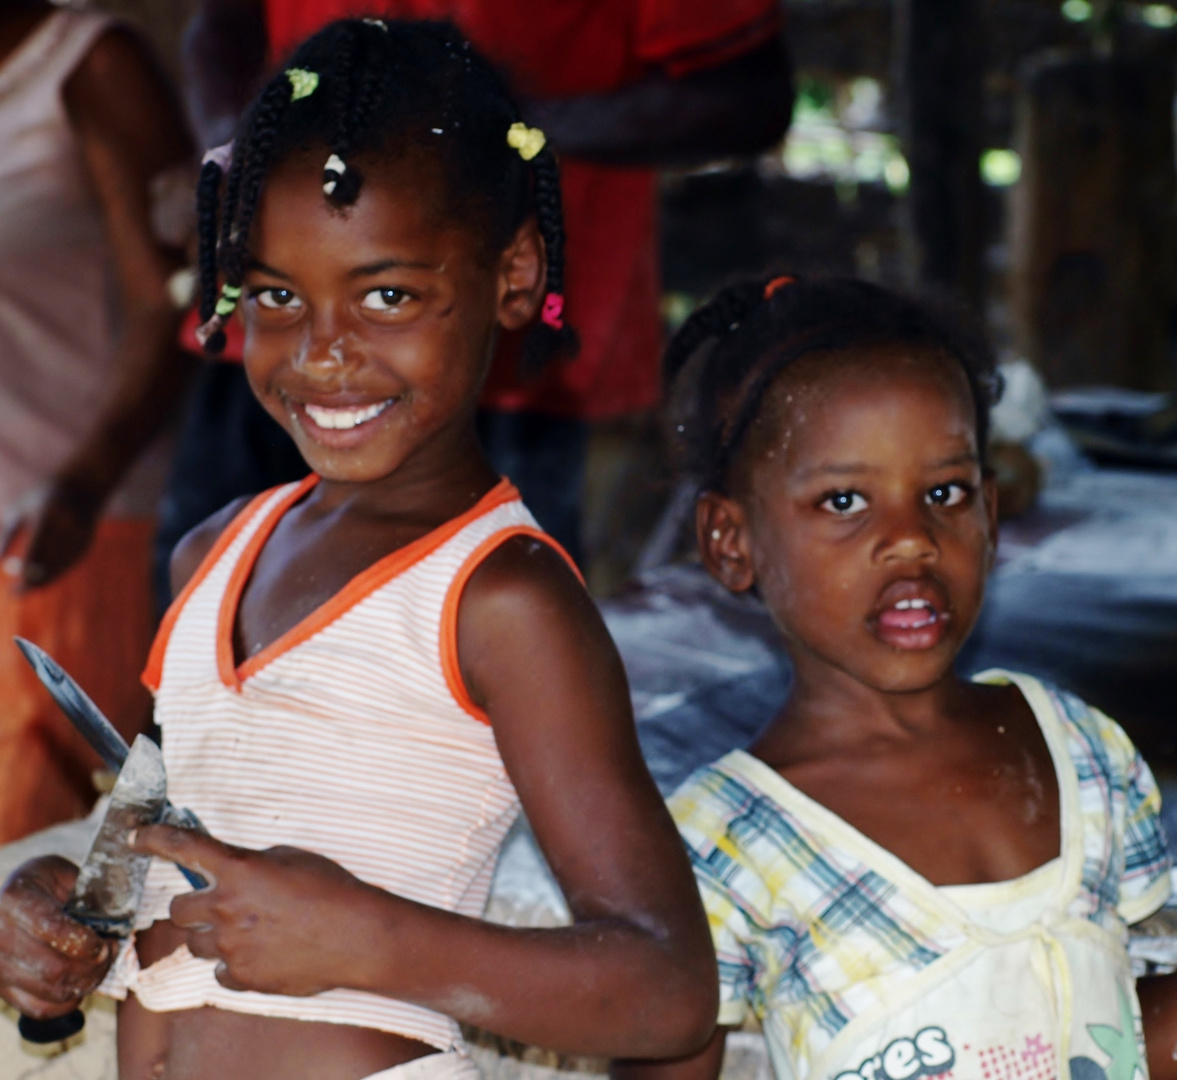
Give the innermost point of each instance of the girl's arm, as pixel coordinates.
(705, 1064)
(1158, 1010)
(129, 128)
(633, 977)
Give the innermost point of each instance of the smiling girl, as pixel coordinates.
(908, 873)
(368, 672)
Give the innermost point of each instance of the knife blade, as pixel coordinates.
(100, 733)
(110, 883)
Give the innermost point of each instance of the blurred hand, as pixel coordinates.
(48, 530)
(281, 921)
(48, 962)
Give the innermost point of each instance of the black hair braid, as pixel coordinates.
(759, 328)
(350, 72)
(382, 89)
(544, 340)
(730, 307)
(207, 191)
(264, 126)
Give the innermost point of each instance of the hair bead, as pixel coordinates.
(303, 83)
(332, 173)
(528, 141)
(553, 313)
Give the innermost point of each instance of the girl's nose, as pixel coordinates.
(324, 350)
(907, 536)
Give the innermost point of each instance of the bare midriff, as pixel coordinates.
(195, 1044)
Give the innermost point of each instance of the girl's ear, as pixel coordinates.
(523, 273)
(722, 531)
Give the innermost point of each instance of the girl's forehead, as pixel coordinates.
(826, 396)
(396, 209)
(824, 379)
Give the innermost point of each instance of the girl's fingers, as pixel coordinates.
(225, 978)
(38, 1008)
(197, 851)
(203, 945)
(193, 912)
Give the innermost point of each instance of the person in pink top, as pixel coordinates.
(93, 138)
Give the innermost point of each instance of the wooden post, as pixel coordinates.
(1092, 227)
(939, 49)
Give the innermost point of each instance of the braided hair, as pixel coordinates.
(368, 89)
(722, 362)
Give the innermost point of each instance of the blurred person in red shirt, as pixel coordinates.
(620, 88)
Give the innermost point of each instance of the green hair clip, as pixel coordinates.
(303, 83)
(227, 304)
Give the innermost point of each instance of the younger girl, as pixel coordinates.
(909, 873)
(376, 666)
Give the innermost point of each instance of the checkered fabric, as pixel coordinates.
(814, 924)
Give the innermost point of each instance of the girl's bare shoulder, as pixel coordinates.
(195, 544)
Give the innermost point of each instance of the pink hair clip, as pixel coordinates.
(553, 313)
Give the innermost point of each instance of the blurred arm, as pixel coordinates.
(224, 51)
(741, 107)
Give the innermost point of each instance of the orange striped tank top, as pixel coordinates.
(351, 736)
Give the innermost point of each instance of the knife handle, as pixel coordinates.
(51, 1031)
(192, 877)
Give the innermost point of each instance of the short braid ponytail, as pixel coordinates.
(726, 356)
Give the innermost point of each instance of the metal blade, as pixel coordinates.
(99, 732)
(110, 883)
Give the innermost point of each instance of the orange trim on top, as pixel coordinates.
(231, 598)
(153, 672)
(359, 588)
(450, 667)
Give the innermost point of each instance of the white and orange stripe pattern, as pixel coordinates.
(351, 736)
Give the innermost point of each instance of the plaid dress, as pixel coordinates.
(860, 969)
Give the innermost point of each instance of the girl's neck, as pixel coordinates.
(438, 483)
(829, 710)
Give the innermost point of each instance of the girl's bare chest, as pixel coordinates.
(966, 817)
(298, 574)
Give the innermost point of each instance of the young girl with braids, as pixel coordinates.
(908, 873)
(365, 674)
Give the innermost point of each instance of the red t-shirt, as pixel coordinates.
(564, 48)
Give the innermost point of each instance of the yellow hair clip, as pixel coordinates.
(303, 83)
(528, 141)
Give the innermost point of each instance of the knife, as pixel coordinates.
(99, 732)
(110, 883)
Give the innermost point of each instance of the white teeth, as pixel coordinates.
(907, 605)
(342, 418)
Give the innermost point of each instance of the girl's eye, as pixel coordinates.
(384, 299)
(947, 495)
(844, 503)
(278, 299)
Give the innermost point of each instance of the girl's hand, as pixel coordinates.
(276, 921)
(51, 527)
(48, 961)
